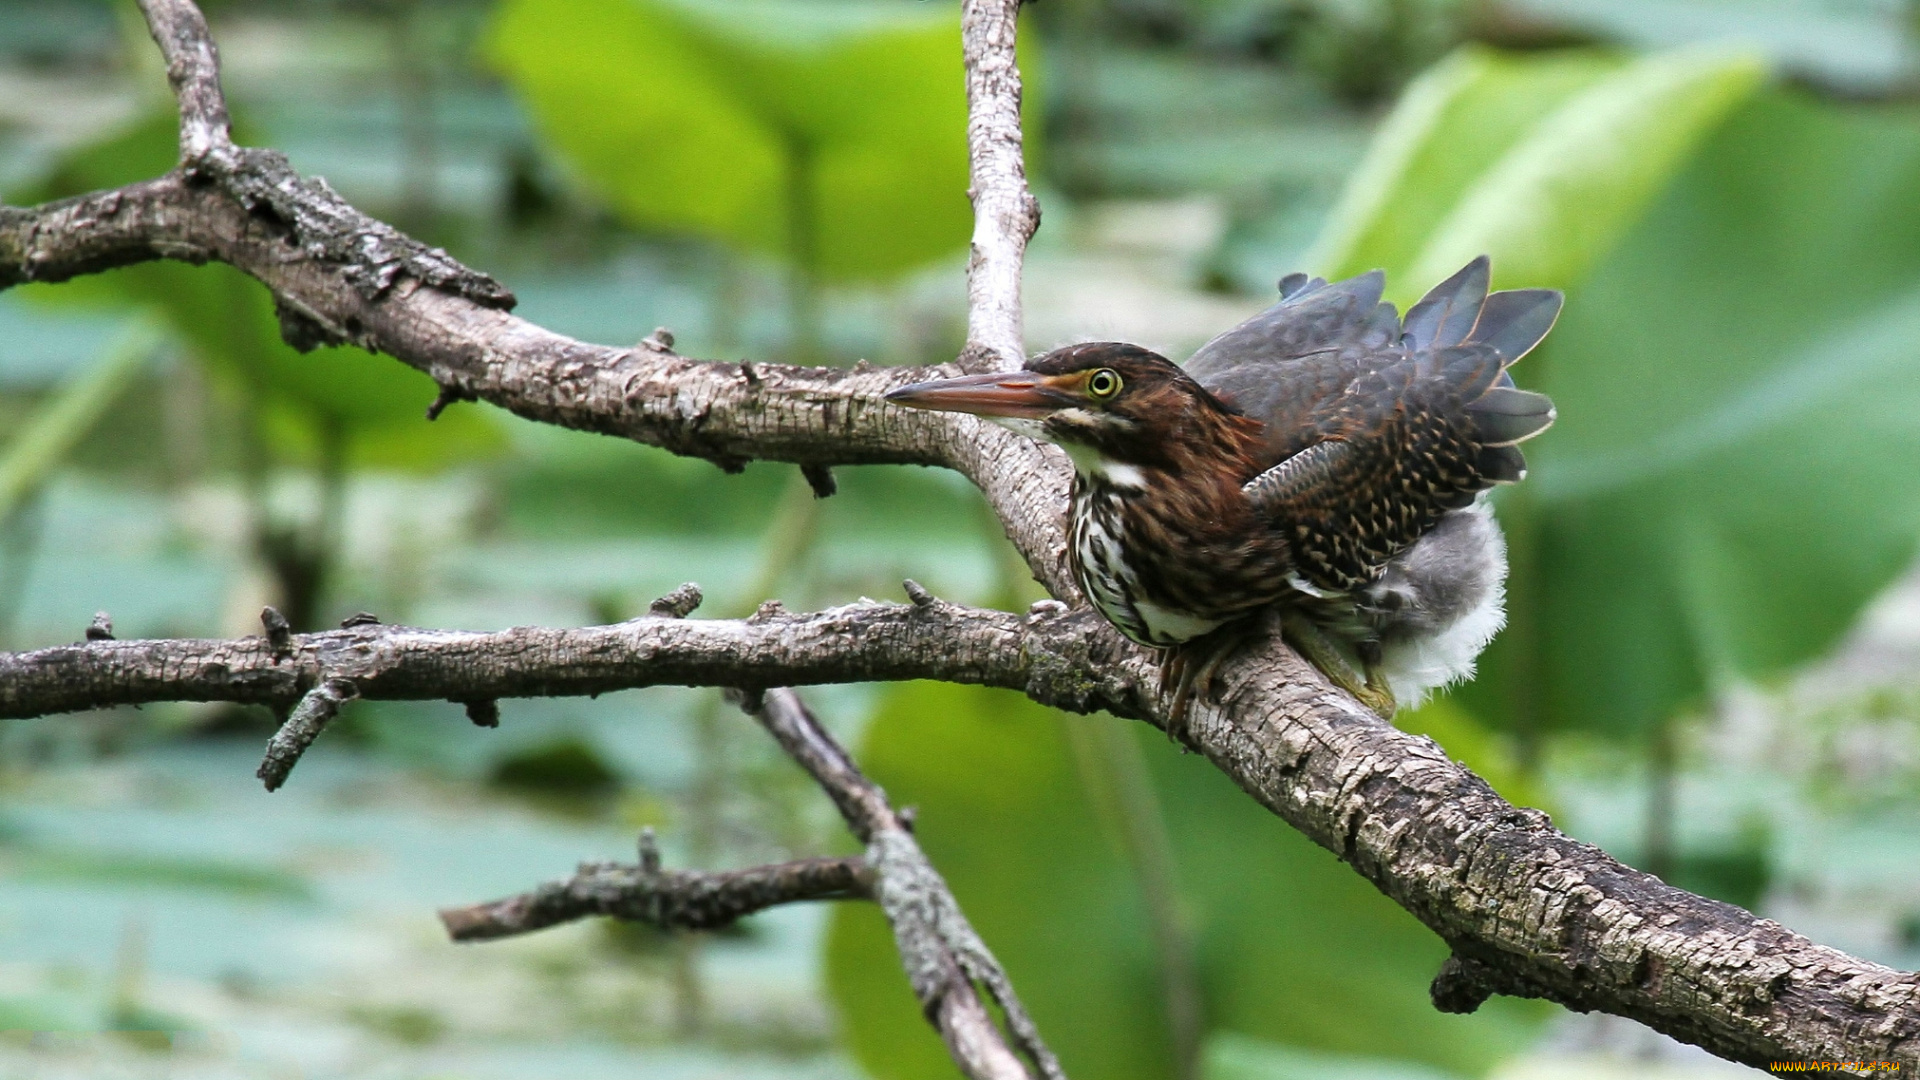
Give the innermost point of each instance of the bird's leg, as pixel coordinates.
(1377, 682)
(1175, 662)
(1187, 671)
(1318, 649)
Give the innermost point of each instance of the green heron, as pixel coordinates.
(1325, 457)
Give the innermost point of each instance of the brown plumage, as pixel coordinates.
(1325, 456)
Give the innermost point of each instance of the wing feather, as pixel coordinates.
(1377, 426)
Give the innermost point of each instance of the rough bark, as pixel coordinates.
(1063, 658)
(1005, 213)
(1526, 909)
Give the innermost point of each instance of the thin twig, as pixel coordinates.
(1005, 213)
(193, 70)
(317, 708)
(667, 899)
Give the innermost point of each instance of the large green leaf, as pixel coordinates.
(227, 320)
(1290, 945)
(1736, 469)
(1540, 162)
(699, 116)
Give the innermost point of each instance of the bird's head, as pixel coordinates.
(1106, 403)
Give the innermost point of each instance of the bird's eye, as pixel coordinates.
(1103, 383)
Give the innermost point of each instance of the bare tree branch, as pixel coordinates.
(943, 955)
(1063, 658)
(667, 899)
(1527, 910)
(193, 70)
(316, 710)
(339, 276)
(1005, 213)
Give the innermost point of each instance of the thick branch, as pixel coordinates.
(943, 955)
(668, 899)
(1528, 910)
(338, 275)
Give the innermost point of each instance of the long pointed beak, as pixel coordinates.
(1006, 393)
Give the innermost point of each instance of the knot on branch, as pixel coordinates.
(483, 712)
(820, 479)
(279, 632)
(313, 222)
(677, 604)
(1463, 985)
(359, 618)
(101, 628)
(660, 341)
(448, 395)
(1042, 610)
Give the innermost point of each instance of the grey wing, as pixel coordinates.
(1312, 319)
(1327, 336)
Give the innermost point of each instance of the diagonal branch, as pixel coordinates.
(943, 955)
(193, 70)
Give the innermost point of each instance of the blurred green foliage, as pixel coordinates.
(831, 135)
(45, 439)
(1539, 161)
(1290, 946)
(1239, 1057)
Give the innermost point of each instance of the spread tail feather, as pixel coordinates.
(1446, 315)
(1471, 337)
(1515, 320)
(1504, 416)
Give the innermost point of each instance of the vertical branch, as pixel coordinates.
(1005, 213)
(193, 70)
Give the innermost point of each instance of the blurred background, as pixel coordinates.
(1712, 667)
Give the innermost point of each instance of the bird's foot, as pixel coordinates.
(1186, 673)
(1318, 649)
(1376, 694)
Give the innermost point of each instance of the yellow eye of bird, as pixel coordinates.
(1103, 383)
